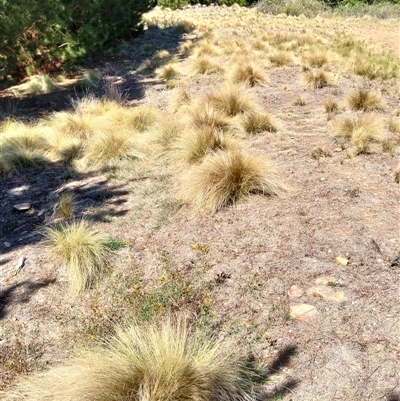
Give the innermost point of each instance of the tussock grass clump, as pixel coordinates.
(281, 58)
(186, 47)
(168, 72)
(82, 250)
(316, 58)
(21, 146)
(205, 48)
(70, 151)
(300, 101)
(193, 146)
(40, 84)
(394, 125)
(331, 105)
(232, 99)
(181, 98)
(65, 206)
(113, 92)
(110, 146)
(205, 65)
(225, 177)
(148, 362)
(139, 118)
(256, 122)
(364, 100)
(159, 58)
(248, 73)
(316, 79)
(362, 131)
(205, 115)
(167, 131)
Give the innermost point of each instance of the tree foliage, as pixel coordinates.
(45, 34)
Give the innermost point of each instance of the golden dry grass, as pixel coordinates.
(281, 58)
(248, 73)
(65, 206)
(225, 177)
(362, 131)
(364, 100)
(168, 72)
(232, 99)
(316, 79)
(148, 362)
(81, 249)
(256, 122)
(205, 65)
(205, 115)
(197, 143)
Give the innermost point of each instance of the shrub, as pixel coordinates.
(225, 177)
(45, 35)
(163, 361)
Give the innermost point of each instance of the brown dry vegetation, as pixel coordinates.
(114, 164)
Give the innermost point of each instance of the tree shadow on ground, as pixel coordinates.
(120, 66)
(95, 199)
(261, 378)
(19, 293)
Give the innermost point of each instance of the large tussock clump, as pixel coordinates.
(163, 362)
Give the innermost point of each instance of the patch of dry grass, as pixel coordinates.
(364, 100)
(22, 145)
(147, 362)
(362, 131)
(110, 146)
(281, 58)
(65, 206)
(257, 122)
(225, 177)
(168, 72)
(316, 58)
(316, 79)
(205, 65)
(81, 249)
(205, 115)
(232, 99)
(300, 101)
(248, 73)
(196, 144)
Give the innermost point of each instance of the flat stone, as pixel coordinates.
(328, 293)
(341, 260)
(21, 207)
(295, 291)
(6, 244)
(302, 312)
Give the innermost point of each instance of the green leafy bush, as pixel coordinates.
(46, 35)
